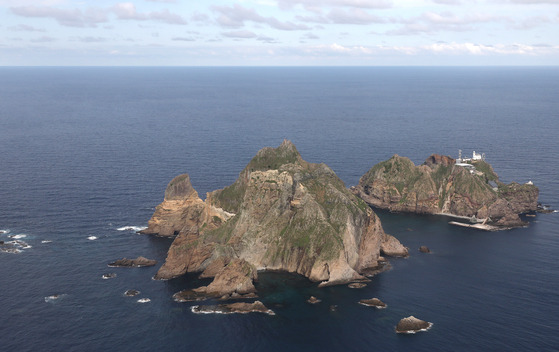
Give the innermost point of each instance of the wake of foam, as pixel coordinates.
(46, 241)
(416, 331)
(132, 228)
(53, 298)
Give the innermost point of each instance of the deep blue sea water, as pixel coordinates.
(87, 151)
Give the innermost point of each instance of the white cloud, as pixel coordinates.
(127, 11)
(315, 4)
(235, 17)
(25, 28)
(240, 34)
(71, 18)
(353, 16)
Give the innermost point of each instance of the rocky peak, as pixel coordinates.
(180, 188)
(436, 159)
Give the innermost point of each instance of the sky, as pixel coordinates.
(279, 32)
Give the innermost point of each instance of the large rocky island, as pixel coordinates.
(282, 213)
(442, 186)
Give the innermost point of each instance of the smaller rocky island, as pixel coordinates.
(411, 325)
(465, 188)
(373, 302)
(137, 263)
(238, 307)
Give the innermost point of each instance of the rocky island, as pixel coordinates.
(442, 186)
(282, 213)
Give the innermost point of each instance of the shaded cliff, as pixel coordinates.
(441, 186)
(282, 213)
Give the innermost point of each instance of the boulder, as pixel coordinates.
(373, 302)
(411, 325)
(233, 281)
(424, 249)
(313, 300)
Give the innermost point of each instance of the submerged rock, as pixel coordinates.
(373, 302)
(424, 249)
(357, 285)
(313, 300)
(108, 276)
(131, 293)
(138, 262)
(412, 325)
(239, 307)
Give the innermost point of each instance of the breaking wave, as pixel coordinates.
(14, 247)
(92, 238)
(144, 300)
(132, 228)
(53, 298)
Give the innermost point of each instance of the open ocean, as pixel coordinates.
(86, 152)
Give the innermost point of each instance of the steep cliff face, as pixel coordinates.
(441, 186)
(282, 213)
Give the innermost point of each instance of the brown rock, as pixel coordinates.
(239, 307)
(436, 159)
(313, 300)
(215, 267)
(234, 279)
(356, 285)
(373, 302)
(424, 249)
(138, 262)
(411, 325)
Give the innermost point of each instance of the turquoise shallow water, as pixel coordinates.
(87, 151)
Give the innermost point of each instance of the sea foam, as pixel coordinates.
(92, 238)
(132, 228)
(53, 298)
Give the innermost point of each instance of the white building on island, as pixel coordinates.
(475, 157)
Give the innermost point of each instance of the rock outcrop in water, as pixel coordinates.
(138, 262)
(412, 325)
(440, 186)
(282, 213)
